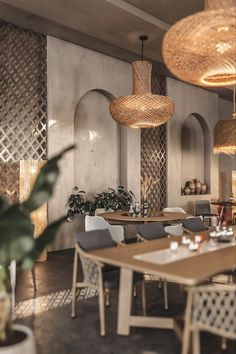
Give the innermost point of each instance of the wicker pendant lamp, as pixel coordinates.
(225, 134)
(201, 49)
(142, 109)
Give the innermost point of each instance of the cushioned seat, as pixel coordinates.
(194, 224)
(151, 230)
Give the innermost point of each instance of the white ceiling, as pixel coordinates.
(108, 26)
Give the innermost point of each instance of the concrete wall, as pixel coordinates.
(226, 163)
(79, 82)
(190, 100)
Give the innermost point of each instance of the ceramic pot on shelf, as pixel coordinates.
(198, 185)
(203, 188)
(187, 190)
(192, 187)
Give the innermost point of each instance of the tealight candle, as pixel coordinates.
(198, 238)
(174, 245)
(193, 246)
(185, 240)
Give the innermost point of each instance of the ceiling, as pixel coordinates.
(108, 26)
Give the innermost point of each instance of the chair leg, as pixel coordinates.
(101, 308)
(107, 297)
(74, 281)
(160, 283)
(187, 330)
(165, 291)
(143, 298)
(34, 279)
(224, 343)
(196, 342)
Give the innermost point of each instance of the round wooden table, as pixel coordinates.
(125, 218)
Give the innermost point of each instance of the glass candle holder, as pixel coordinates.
(174, 245)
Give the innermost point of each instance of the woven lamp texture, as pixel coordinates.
(225, 136)
(142, 109)
(201, 48)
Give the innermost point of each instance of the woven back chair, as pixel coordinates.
(97, 276)
(213, 310)
(154, 231)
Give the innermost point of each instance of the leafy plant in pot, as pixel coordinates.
(78, 205)
(114, 200)
(17, 243)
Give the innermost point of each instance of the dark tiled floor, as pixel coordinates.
(57, 333)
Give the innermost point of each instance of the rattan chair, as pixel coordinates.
(153, 231)
(97, 276)
(194, 225)
(213, 309)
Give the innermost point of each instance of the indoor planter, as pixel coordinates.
(17, 243)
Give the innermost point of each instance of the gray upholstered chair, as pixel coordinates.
(97, 275)
(203, 209)
(153, 231)
(194, 224)
(213, 309)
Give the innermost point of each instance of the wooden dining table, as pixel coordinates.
(153, 216)
(189, 271)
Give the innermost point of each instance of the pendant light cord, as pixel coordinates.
(142, 39)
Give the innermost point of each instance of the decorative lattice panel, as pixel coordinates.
(23, 100)
(153, 153)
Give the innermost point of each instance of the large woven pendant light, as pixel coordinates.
(142, 109)
(201, 49)
(225, 134)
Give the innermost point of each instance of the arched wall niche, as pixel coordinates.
(97, 138)
(195, 150)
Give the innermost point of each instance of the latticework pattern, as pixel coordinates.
(225, 137)
(91, 271)
(23, 99)
(9, 180)
(142, 109)
(201, 49)
(153, 154)
(214, 309)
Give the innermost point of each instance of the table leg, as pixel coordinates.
(125, 301)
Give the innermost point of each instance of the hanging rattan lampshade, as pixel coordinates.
(142, 109)
(201, 49)
(225, 134)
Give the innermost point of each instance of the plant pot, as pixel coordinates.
(25, 346)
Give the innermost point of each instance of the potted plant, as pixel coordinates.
(113, 200)
(78, 205)
(17, 243)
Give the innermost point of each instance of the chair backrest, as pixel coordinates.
(95, 223)
(151, 230)
(174, 210)
(214, 309)
(203, 207)
(93, 240)
(89, 241)
(98, 223)
(194, 224)
(174, 230)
